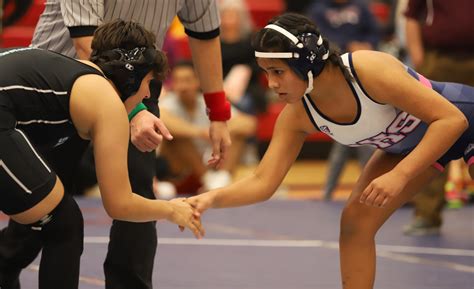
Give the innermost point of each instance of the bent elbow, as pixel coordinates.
(265, 187)
(464, 123)
(267, 196)
(267, 193)
(461, 123)
(112, 212)
(117, 211)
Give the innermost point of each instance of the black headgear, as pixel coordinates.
(126, 68)
(307, 55)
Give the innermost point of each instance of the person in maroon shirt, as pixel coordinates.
(440, 43)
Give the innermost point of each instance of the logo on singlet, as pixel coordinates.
(403, 125)
(61, 141)
(325, 129)
(469, 148)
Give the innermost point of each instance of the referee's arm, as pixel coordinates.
(82, 19)
(82, 39)
(207, 59)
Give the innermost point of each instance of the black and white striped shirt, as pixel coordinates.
(63, 19)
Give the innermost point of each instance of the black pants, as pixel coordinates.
(61, 240)
(19, 246)
(132, 247)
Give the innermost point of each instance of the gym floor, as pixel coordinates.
(289, 242)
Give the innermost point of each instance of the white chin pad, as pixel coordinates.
(310, 82)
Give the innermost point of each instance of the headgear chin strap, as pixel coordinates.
(306, 57)
(310, 83)
(126, 68)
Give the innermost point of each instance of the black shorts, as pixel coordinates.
(25, 177)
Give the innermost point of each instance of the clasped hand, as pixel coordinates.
(198, 205)
(185, 216)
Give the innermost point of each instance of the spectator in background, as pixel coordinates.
(1, 20)
(392, 23)
(350, 23)
(183, 111)
(440, 44)
(239, 67)
(297, 6)
(399, 28)
(351, 26)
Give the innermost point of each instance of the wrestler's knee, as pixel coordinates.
(356, 223)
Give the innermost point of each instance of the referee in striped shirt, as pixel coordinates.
(67, 26)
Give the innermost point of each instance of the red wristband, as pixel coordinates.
(218, 108)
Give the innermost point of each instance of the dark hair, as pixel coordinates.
(126, 52)
(269, 40)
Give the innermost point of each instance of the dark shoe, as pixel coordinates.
(420, 227)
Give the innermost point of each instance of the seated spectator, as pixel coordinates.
(241, 73)
(184, 112)
(347, 23)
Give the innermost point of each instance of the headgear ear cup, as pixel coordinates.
(155, 88)
(307, 54)
(155, 91)
(310, 55)
(126, 68)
